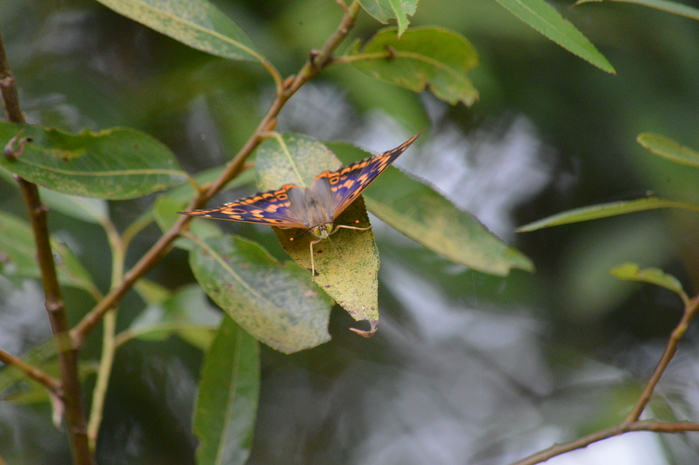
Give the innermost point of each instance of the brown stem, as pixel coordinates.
(49, 382)
(159, 249)
(690, 312)
(68, 357)
(649, 425)
(632, 423)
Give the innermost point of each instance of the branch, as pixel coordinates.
(648, 425)
(68, 360)
(690, 312)
(49, 382)
(632, 423)
(317, 62)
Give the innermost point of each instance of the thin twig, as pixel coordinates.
(632, 423)
(670, 350)
(99, 393)
(49, 382)
(159, 249)
(68, 357)
(648, 425)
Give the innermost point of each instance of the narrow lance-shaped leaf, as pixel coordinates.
(276, 303)
(383, 10)
(229, 389)
(347, 262)
(603, 211)
(632, 272)
(423, 58)
(113, 164)
(544, 18)
(421, 213)
(196, 23)
(670, 7)
(668, 148)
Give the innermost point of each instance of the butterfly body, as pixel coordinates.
(314, 208)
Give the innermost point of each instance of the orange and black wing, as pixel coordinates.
(349, 182)
(271, 208)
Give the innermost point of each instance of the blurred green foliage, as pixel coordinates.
(483, 367)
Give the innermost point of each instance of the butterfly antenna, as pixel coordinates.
(300, 235)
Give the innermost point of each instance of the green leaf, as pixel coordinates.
(186, 313)
(670, 7)
(383, 10)
(424, 57)
(347, 262)
(229, 390)
(82, 208)
(276, 303)
(18, 256)
(632, 272)
(605, 210)
(544, 18)
(196, 23)
(668, 148)
(113, 164)
(424, 215)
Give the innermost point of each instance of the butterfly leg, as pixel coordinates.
(350, 227)
(313, 262)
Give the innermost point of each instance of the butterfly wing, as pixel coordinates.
(349, 182)
(271, 208)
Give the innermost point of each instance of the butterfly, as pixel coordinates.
(313, 209)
